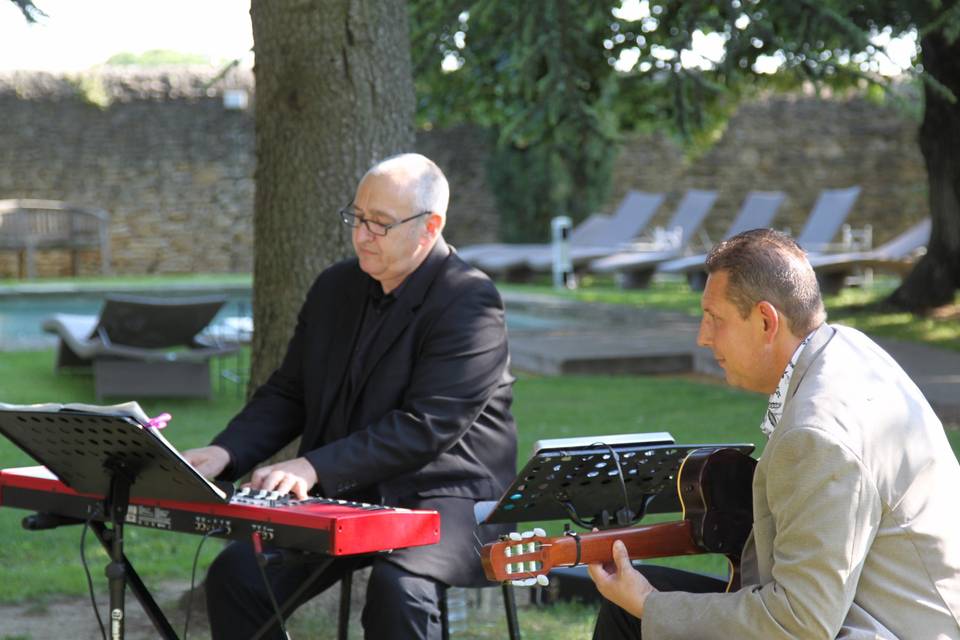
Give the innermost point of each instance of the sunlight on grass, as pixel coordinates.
(853, 306)
(43, 566)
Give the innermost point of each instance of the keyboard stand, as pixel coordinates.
(118, 565)
(112, 455)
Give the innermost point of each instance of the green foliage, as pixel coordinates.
(91, 89)
(536, 75)
(157, 58)
(541, 77)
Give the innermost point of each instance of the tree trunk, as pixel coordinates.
(934, 280)
(334, 95)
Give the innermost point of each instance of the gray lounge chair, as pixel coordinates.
(896, 256)
(583, 233)
(141, 346)
(827, 216)
(588, 240)
(633, 268)
(756, 212)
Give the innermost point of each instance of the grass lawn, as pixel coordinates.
(39, 567)
(854, 307)
(43, 565)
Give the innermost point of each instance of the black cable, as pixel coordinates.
(86, 570)
(623, 485)
(273, 600)
(193, 576)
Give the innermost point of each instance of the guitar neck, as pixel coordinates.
(648, 541)
(515, 560)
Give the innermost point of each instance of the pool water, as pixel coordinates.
(21, 317)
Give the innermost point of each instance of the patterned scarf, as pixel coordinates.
(779, 397)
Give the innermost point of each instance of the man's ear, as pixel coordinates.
(434, 224)
(770, 318)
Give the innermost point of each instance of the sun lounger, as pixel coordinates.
(635, 266)
(141, 346)
(756, 212)
(627, 222)
(896, 256)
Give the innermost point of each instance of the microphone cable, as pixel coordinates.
(625, 515)
(86, 569)
(193, 576)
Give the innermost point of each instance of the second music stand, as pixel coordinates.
(598, 485)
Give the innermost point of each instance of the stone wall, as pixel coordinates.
(174, 168)
(170, 164)
(799, 145)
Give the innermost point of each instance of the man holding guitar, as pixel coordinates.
(856, 532)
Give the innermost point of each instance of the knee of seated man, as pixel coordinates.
(393, 586)
(228, 569)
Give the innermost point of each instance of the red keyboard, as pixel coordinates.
(332, 527)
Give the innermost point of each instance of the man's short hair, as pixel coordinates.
(431, 190)
(764, 264)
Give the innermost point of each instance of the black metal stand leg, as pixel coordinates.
(118, 501)
(343, 620)
(510, 608)
(136, 585)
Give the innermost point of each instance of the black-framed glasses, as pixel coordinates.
(353, 220)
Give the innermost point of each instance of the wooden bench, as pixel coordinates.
(29, 225)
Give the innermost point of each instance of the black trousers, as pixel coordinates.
(613, 623)
(399, 604)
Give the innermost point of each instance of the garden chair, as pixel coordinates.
(140, 346)
(634, 267)
(756, 212)
(896, 256)
(827, 216)
(595, 236)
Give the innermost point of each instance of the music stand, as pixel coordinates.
(109, 452)
(583, 483)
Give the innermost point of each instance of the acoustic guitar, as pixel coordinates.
(715, 491)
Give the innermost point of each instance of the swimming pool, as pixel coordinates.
(21, 315)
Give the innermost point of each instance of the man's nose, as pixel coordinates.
(362, 233)
(703, 335)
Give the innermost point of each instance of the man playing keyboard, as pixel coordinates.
(396, 379)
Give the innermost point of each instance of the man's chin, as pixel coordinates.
(368, 266)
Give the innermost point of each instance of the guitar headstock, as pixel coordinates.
(520, 558)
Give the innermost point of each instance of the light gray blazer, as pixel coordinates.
(856, 497)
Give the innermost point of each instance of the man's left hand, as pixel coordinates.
(295, 476)
(620, 583)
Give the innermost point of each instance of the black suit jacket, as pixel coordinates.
(428, 424)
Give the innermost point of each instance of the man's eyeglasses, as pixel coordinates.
(353, 219)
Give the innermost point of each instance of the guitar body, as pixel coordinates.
(715, 490)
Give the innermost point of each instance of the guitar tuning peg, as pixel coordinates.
(524, 582)
(514, 535)
(540, 533)
(543, 580)
(528, 534)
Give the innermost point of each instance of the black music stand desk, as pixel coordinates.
(580, 480)
(109, 452)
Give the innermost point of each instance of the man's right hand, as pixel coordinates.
(209, 461)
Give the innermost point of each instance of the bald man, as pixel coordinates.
(397, 378)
